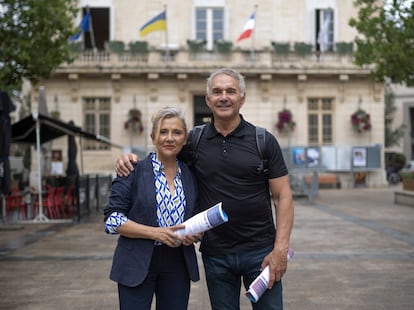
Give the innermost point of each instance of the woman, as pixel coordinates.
(145, 209)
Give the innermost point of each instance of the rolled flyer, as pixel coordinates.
(204, 221)
(259, 285)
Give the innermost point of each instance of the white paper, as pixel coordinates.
(259, 285)
(204, 221)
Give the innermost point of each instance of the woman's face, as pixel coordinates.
(170, 138)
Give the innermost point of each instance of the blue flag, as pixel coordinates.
(84, 26)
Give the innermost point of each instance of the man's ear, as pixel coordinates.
(207, 101)
(243, 99)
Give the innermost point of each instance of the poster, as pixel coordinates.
(56, 164)
(313, 155)
(299, 157)
(359, 157)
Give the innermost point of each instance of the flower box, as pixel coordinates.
(223, 47)
(117, 47)
(282, 48)
(343, 48)
(408, 184)
(138, 47)
(196, 46)
(75, 47)
(303, 49)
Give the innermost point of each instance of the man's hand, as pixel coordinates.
(277, 262)
(190, 239)
(123, 165)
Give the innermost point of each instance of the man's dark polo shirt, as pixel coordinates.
(226, 171)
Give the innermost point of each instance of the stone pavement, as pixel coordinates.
(353, 250)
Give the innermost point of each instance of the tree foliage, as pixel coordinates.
(392, 135)
(34, 39)
(386, 39)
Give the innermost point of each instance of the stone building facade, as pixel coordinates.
(284, 65)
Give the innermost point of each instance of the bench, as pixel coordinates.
(325, 180)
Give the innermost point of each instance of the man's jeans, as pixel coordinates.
(224, 274)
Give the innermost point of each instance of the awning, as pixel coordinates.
(24, 131)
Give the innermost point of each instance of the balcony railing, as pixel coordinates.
(185, 59)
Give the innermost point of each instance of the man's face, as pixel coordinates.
(225, 98)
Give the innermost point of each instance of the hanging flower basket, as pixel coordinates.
(134, 121)
(361, 121)
(285, 121)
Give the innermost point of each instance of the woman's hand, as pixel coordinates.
(167, 236)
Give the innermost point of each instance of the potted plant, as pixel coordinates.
(285, 121)
(361, 121)
(282, 48)
(134, 121)
(303, 49)
(196, 46)
(75, 47)
(407, 180)
(138, 47)
(343, 48)
(117, 47)
(222, 46)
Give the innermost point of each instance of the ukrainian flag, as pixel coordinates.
(158, 23)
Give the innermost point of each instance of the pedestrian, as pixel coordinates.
(228, 168)
(145, 209)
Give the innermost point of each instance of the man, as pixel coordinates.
(225, 162)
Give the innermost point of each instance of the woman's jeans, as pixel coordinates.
(224, 274)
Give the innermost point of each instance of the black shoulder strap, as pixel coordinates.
(196, 135)
(261, 145)
(261, 140)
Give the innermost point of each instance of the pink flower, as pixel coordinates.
(361, 121)
(134, 121)
(285, 120)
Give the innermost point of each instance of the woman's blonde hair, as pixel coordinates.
(166, 112)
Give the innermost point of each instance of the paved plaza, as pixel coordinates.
(353, 250)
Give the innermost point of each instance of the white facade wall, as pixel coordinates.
(155, 83)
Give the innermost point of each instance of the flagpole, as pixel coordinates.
(252, 51)
(91, 31)
(167, 49)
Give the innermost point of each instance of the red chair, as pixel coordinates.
(15, 201)
(48, 203)
(70, 200)
(58, 201)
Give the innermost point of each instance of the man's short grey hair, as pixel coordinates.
(230, 72)
(166, 112)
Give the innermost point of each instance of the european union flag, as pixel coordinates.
(84, 26)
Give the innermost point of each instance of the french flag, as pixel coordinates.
(248, 28)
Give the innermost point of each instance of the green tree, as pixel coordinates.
(392, 136)
(386, 38)
(34, 39)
